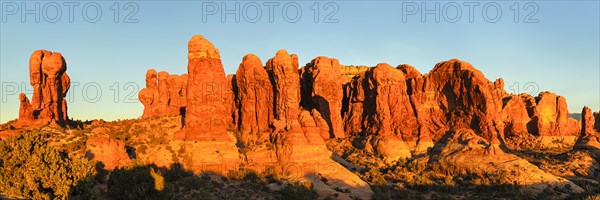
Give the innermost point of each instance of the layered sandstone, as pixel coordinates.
(164, 94)
(455, 95)
(50, 82)
(254, 100)
(322, 89)
(464, 150)
(589, 138)
(378, 104)
(551, 117)
(349, 72)
(283, 68)
(207, 145)
(206, 113)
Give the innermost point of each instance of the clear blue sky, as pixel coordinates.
(559, 52)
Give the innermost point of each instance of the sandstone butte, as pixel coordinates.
(394, 112)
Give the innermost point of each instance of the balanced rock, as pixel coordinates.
(322, 89)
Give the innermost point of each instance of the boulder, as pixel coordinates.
(110, 152)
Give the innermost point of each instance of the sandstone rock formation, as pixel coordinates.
(283, 68)
(322, 89)
(455, 95)
(50, 85)
(111, 153)
(164, 94)
(25, 109)
(587, 121)
(516, 115)
(410, 72)
(207, 146)
(379, 105)
(349, 72)
(254, 100)
(597, 121)
(551, 117)
(589, 137)
(463, 149)
(206, 110)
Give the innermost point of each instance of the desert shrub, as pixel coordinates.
(270, 175)
(138, 182)
(31, 168)
(299, 191)
(177, 172)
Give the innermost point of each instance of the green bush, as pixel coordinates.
(31, 168)
(138, 182)
(299, 191)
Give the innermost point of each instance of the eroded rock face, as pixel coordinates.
(209, 106)
(164, 94)
(111, 153)
(464, 149)
(551, 117)
(50, 85)
(455, 95)
(300, 141)
(283, 68)
(410, 72)
(379, 105)
(206, 111)
(515, 115)
(176, 95)
(587, 121)
(589, 138)
(254, 100)
(25, 109)
(349, 72)
(322, 89)
(401, 104)
(597, 121)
